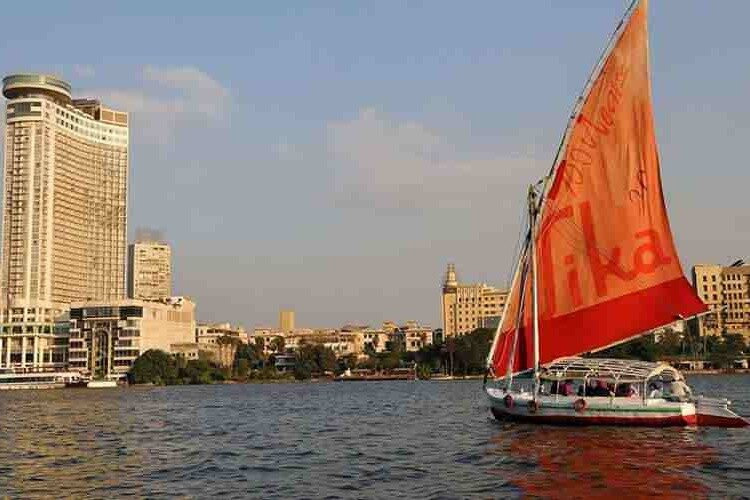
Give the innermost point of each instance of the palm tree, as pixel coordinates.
(277, 344)
(450, 345)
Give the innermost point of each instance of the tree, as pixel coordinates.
(725, 351)
(315, 358)
(154, 367)
(450, 347)
(347, 362)
(242, 368)
(278, 344)
(260, 349)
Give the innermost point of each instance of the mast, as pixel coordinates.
(533, 211)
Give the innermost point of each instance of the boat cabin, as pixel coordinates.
(590, 377)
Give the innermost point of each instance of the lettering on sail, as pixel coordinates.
(646, 258)
(584, 150)
(569, 214)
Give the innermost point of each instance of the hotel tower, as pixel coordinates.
(64, 218)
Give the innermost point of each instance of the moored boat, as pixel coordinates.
(599, 267)
(37, 380)
(101, 384)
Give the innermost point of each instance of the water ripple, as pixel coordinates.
(341, 440)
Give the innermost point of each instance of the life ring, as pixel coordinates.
(508, 400)
(533, 406)
(579, 405)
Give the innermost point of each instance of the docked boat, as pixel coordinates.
(101, 384)
(37, 380)
(598, 267)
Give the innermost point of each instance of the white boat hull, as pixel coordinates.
(101, 384)
(575, 410)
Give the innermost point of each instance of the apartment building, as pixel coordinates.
(726, 292)
(468, 306)
(149, 270)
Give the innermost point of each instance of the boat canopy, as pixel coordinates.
(616, 370)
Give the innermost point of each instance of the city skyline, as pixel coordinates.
(316, 165)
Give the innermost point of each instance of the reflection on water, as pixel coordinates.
(369, 440)
(608, 462)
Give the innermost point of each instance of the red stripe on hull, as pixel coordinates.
(671, 421)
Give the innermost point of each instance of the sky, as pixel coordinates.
(333, 157)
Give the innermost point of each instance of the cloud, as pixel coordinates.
(201, 93)
(84, 71)
(168, 98)
(406, 164)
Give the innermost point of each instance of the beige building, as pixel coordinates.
(64, 219)
(286, 321)
(210, 333)
(414, 336)
(726, 292)
(466, 307)
(106, 337)
(149, 270)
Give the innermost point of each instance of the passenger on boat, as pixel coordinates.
(679, 391)
(621, 391)
(654, 390)
(554, 387)
(566, 388)
(601, 389)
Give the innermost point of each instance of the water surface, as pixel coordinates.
(354, 439)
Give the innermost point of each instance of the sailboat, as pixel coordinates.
(599, 267)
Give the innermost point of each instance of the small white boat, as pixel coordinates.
(638, 395)
(101, 384)
(599, 266)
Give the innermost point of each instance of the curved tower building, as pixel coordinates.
(64, 213)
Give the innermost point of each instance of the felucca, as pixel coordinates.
(599, 267)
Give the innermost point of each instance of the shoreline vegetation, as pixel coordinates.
(458, 358)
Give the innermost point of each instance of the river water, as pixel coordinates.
(349, 440)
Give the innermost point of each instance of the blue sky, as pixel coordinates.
(333, 158)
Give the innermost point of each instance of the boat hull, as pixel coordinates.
(633, 412)
(101, 384)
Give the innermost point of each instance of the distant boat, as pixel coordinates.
(101, 384)
(37, 380)
(599, 267)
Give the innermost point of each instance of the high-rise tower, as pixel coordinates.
(149, 270)
(64, 213)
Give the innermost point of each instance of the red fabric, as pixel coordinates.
(607, 266)
(603, 324)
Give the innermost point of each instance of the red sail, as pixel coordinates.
(607, 265)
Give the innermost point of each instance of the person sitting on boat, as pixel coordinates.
(554, 387)
(679, 391)
(654, 390)
(566, 388)
(632, 391)
(601, 389)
